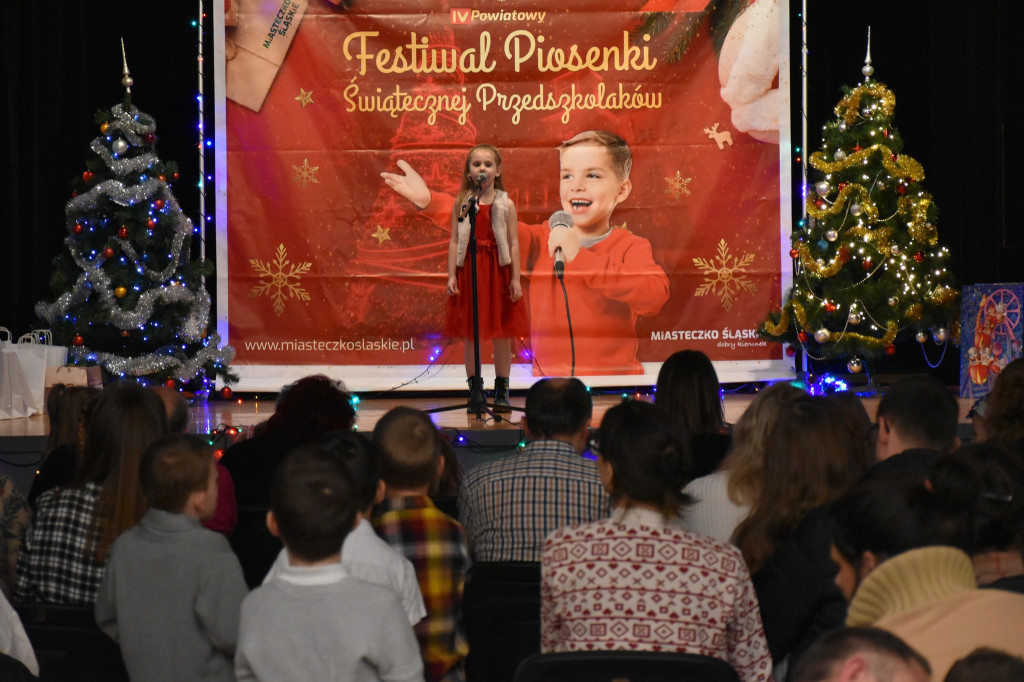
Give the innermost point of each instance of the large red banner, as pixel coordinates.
(322, 266)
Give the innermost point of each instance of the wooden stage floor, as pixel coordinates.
(245, 412)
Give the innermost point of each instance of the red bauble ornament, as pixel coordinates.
(77, 229)
(108, 253)
(125, 333)
(225, 392)
(150, 138)
(170, 383)
(885, 133)
(819, 203)
(77, 340)
(901, 189)
(123, 232)
(87, 176)
(844, 253)
(174, 177)
(151, 223)
(868, 264)
(793, 253)
(159, 203)
(790, 351)
(162, 177)
(830, 307)
(841, 186)
(890, 349)
(803, 337)
(919, 257)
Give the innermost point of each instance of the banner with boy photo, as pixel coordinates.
(322, 267)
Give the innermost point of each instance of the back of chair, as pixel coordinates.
(624, 666)
(69, 645)
(501, 612)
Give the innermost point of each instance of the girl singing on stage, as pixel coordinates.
(502, 315)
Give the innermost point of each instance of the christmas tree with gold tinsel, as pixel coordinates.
(868, 266)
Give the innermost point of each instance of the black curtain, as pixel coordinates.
(948, 63)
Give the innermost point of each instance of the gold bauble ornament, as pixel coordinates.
(120, 292)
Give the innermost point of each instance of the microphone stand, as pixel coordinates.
(477, 404)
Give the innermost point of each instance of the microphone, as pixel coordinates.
(481, 179)
(560, 220)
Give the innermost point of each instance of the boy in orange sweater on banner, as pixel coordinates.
(610, 276)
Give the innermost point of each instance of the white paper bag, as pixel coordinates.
(56, 356)
(15, 396)
(32, 356)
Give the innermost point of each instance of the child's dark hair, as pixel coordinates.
(557, 407)
(649, 454)
(922, 409)
(356, 452)
(314, 502)
(173, 468)
(408, 447)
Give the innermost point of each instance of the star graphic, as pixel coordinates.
(305, 97)
(306, 173)
(678, 185)
(279, 279)
(725, 278)
(381, 235)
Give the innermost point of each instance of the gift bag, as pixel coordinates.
(72, 375)
(56, 356)
(15, 396)
(32, 356)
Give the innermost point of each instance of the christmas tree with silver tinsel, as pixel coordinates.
(129, 296)
(868, 265)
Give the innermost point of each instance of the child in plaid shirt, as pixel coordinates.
(410, 451)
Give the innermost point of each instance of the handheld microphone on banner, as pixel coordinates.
(560, 220)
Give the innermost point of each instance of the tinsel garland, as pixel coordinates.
(901, 166)
(779, 328)
(117, 192)
(849, 107)
(153, 363)
(870, 211)
(830, 270)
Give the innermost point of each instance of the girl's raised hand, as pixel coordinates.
(410, 185)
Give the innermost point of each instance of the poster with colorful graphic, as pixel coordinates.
(991, 332)
(324, 267)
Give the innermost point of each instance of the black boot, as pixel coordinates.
(501, 403)
(476, 390)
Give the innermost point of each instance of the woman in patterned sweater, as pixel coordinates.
(637, 580)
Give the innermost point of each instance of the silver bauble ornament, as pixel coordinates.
(840, 155)
(880, 184)
(855, 365)
(865, 111)
(941, 333)
(822, 335)
(921, 336)
(842, 126)
(823, 188)
(119, 146)
(854, 318)
(831, 235)
(895, 249)
(856, 210)
(894, 301)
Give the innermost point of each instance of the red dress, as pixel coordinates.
(500, 318)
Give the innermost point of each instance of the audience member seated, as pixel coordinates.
(724, 498)
(14, 641)
(861, 655)
(987, 665)
(917, 420)
(812, 456)
(890, 538)
(67, 408)
(509, 506)
(225, 517)
(688, 389)
(15, 516)
(74, 527)
(984, 484)
(638, 581)
(1003, 418)
(172, 590)
(449, 483)
(410, 458)
(314, 621)
(305, 411)
(363, 554)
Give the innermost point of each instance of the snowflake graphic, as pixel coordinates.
(305, 173)
(279, 279)
(727, 277)
(678, 186)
